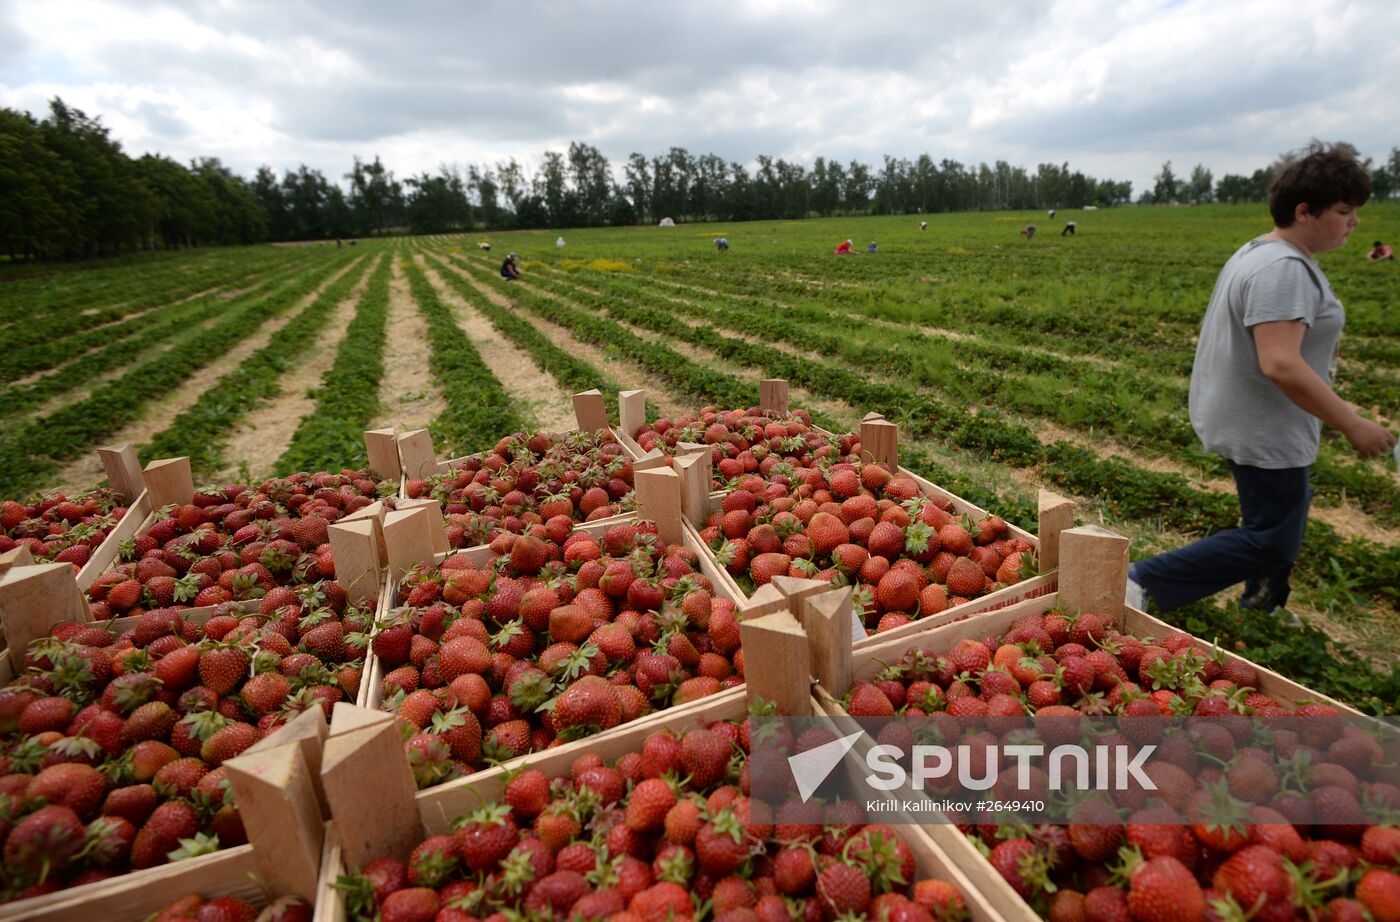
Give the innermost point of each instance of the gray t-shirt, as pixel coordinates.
(1236, 411)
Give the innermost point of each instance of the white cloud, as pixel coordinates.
(1114, 87)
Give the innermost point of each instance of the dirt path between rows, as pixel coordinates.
(407, 398)
(538, 398)
(627, 375)
(264, 432)
(86, 471)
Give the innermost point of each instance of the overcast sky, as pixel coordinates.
(1114, 87)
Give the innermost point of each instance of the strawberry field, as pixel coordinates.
(518, 681)
(1008, 364)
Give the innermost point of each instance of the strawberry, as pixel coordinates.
(222, 666)
(44, 842)
(411, 904)
(965, 578)
(1379, 891)
(79, 787)
(843, 889)
(228, 742)
(705, 755)
(170, 822)
(1162, 890)
(647, 807)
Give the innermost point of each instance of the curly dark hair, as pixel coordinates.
(1320, 176)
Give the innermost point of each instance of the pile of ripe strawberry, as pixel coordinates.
(562, 636)
(194, 907)
(1243, 829)
(667, 833)
(528, 479)
(865, 525)
(59, 529)
(232, 544)
(111, 745)
(747, 441)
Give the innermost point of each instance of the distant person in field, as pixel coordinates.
(721, 243)
(559, 242)
(871, 248)
(509, 270)
(1069, 229)
(923, 225)
(1050, 214)
(1261, 388)
(1028, 231)
(1380, 251)
(843, 247)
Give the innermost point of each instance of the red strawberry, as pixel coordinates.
(171, 821)
(45, 841)
(223, 666)
(1163, 890)
(647, 807)
(843, 889)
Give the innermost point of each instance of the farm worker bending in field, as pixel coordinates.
(843, 247)
(509, 271)
(1261, 388)
(1380, 251)
(923, 225)
(721, 243)
(1028, 231)
(1069, 229)
(871, 247)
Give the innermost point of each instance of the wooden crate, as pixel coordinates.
(284, 856)
(879, 441)
(437, 807)
(870, 659)
(408, 546)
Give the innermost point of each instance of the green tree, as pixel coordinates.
(1166, 187)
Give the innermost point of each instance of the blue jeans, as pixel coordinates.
(1260, 553)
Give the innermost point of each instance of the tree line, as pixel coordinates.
(67, 190)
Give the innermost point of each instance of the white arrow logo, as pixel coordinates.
(811, 768)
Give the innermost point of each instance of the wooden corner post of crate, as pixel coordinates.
(416, 456)
(382, 449)
(590, 411)
(277, 801)
(123, 470)
(437, 522)
(309, 731)
(1056, 514)
(356, 553)
(694, 471)
(370, 786)
(631, 411)
(373, 514)
(16, 557)
(1093, 570)
(169, 481)
(408, 540)
(776, 663)
(773, 395)
(879, 442)
(33, 599)
(658, 494)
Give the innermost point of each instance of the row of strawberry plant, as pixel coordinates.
(572, 372)
(332, 435)
(31, 346)
(1031, 382)
(120, 344)
(1125, 489)
(199, 432)
(1099, 401)
(1266, 638)
(479, 411)
(685, 375)
(49, 292)
(31, 449)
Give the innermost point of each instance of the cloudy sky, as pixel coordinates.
(1114, 87)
